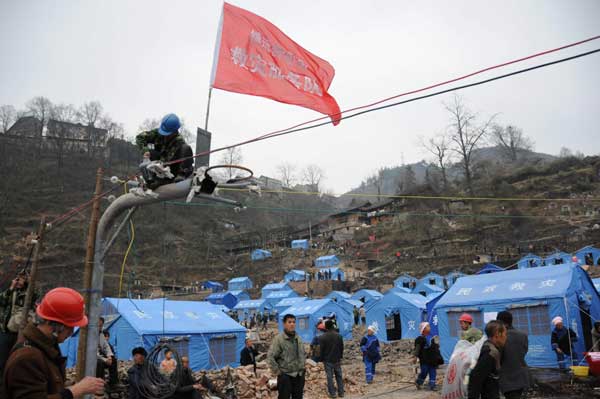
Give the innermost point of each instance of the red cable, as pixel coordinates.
(390, 98)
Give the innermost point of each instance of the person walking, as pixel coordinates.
(514, 375)
(363, 316)
(483, 382)
(332, 353)
(427, 351)
(469, 333)
(369, 346)
(35, 368)
(286, 359)
(562, 341)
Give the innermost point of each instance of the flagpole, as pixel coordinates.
(208, 109)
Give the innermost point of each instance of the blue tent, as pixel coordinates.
(405, 280)
(260, 254)
(274, 297)
(534, 296)
(309, 312)
(529, 260)
(557, 258)
(366, 296)
(490, 268)
(227, 298)
(587, 254)
(285, 303)
(327, 261)
(596, 282)
(349, 304)
(267, 289)
(300, 244)
(338, 296)
(336, 273)
(139, 322)
(239, 283)
(213, 286)
(433, 278)
(295, 275)
(403, 290)
(397, 315)
(250, 307)
(452, 277)
(425, 289)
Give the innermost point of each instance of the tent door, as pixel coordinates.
(586, 325)
(393, 327)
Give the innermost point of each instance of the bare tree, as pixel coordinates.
(439, 147)
(148, 124)
(90, 113)
(378, 180)
(114, 129)
(231, 156)
(312, 176)
(60, 135)
(465, 135)
(286, 173)
(565, 153)
(40, 108)
(511, 140)
(8, 116)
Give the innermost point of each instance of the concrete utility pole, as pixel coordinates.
(87, 273)
(34, 269)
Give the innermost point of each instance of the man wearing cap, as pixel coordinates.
(166, 144)
(514, 375)
(562, 341)
(469, 333)
(11, 314)
(35, 368)
(134, 374)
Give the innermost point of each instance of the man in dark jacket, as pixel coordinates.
(483, 383)
(35, 368)
(166, 144)
(248, 355)
(134, 374)
(188, 387)
(332, 352)
(514, 376)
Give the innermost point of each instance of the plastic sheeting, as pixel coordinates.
(309, 312)
(463, 360)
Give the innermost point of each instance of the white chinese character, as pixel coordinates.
(547, 283)
(489, 289)
(274, 71)
(412, 325)
(312, 87)
(517, 287)
(141, 314)
(255, 36)
(294, 79)
(192, 315)
(257, 64)
(239, 56)
(168, 315)
(464, 291)
(435, 320)
(212, 315)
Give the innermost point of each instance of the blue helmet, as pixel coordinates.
(170, 124)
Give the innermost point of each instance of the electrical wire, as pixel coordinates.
(132, 229)
(299, 127)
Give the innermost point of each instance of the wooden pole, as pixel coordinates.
(87, 273)
(33, 275)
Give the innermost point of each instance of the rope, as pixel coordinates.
(299, 127)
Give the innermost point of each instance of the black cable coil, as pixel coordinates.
(157, 385)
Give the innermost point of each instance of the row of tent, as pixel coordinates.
(585, 256)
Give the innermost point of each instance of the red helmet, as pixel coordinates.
(466, 317)
(63, 305)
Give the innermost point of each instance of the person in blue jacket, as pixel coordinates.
(369, 345)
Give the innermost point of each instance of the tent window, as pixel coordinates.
(222, 351)
(455, 325)
(405, 284)
(302, 323)
(182, 347)
(532, 319)
(432, 281)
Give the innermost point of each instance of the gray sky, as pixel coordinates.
(143, 59)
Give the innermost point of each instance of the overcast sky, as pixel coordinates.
(143, 59)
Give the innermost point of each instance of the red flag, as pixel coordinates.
(252, 56)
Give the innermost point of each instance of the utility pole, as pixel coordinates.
(87, 272)
(34, 269)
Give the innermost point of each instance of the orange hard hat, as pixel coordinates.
(63, 305)
(466, 317)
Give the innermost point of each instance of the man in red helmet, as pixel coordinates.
(35, 368)
(469, 333)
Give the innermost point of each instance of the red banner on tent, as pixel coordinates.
(252, 56)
